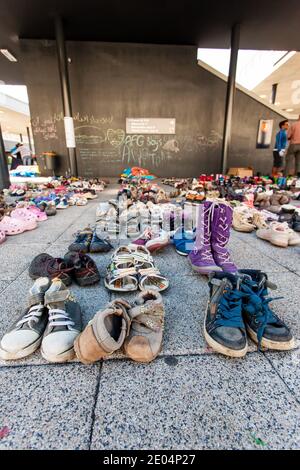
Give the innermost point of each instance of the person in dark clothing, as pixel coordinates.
(16, 157)
(279, 151)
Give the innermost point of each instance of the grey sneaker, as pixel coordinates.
(64, 324)
(25, 335)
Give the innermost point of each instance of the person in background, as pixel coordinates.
(25, 153)
(16, 157)
(293, 154)
(280, 148)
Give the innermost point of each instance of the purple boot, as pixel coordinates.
(221, 223)
(201, 257)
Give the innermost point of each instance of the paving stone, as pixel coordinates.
(16, 258)
(3, 285)
(287, 365)
(286, 258)
(245, 256)
(49, 407)
(203, 402)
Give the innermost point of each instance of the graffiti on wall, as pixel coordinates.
(98, 139)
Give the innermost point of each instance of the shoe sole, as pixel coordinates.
(11, 356)
(135, 359)
(157, 247)
(181, 253)
(206, 271)
(269, 344)
(63, 357)
(219, 348)
(88, 281)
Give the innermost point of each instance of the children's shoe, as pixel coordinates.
(64, 324)
(105, 333)
(29, 220)
(45, 265)
(201, 257)
(99, 245)
(183, 242)
(276, 233)
(25, 335)
(220, 233)
(263, 326)
(242, 220)
(224, 328)
(85, 270)
(158, 241)
(11, 226)
(63, 204)
(82, 241)
(144, 341)
(39, 215)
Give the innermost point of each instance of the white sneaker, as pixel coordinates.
(25, 335)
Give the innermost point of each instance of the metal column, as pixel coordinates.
(65, 84)
(29, 138)
(274, 93)
(235, 39)
(4, 174)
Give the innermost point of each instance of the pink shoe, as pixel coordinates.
(28, 219)
(2, 236)
(39, 215)
(11, 226)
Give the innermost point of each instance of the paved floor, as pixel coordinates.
(188, 398)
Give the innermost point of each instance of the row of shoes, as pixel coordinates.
(131, 268)
(73, 266)
(62, 182)
(272, 201)
(52, 322)
(278, 233)
(115, 217)
(18, 221)
(144, 192)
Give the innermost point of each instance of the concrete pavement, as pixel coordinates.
(188, 398)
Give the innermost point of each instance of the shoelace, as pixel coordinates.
(203, 234)
(229, 310)
(34, 314)
(59, 317)
(258, 307)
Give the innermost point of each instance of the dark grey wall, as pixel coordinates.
(110, 82)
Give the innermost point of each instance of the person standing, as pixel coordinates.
(293, 154)
(280, 148)
(16, 157)
(25, 153)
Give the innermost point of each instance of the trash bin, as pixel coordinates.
(50, 160)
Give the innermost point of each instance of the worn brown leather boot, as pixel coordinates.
(105, 333)
(144, 341)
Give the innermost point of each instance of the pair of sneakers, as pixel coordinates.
(51, 320)
(239, 305)
(136, 327)
(87, 240)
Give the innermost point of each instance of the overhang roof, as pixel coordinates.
(271, 24)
